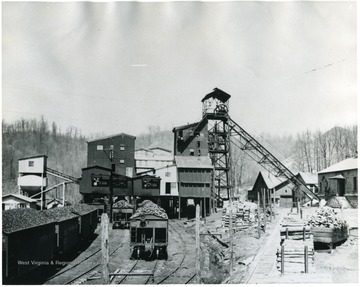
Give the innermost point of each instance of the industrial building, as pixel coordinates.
(117, 149)
(340, 180)
(152, 158)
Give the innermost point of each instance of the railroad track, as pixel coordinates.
(84, 276)
(84, 269)
(140, 269)
(185, 255)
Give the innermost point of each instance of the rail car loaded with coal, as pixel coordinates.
(122, 211)
(149, 232)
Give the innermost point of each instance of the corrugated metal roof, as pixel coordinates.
(347, 164)
(309, 177)
(34, 156)
(14, 220)
(60, 213)
(193, 162)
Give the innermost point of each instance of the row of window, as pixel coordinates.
(195, 184)
(101, 147)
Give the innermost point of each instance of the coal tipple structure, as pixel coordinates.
(197, 173)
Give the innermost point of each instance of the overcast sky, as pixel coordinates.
(120, 67)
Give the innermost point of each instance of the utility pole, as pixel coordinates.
(111, 182)
(197, 244)
(111, 179)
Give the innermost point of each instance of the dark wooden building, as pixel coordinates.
(191, 139)
(146, 187)
(95, 183)
(195, 182)
(281, 190)
(123, 146)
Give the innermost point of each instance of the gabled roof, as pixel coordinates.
(217, 94)
(14, 220)
(309, 177)
(270, 180)
(112, 136)
(19, 196)
(97, 167)
(193, 162)
(347, 164)
(161, 148)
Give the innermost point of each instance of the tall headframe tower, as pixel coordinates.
(215, 109)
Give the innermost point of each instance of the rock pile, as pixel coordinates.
(326, 217)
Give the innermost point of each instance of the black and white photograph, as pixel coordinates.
(179, 142)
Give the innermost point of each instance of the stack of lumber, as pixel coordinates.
(147, 207)
(295, 229)
(294, 256)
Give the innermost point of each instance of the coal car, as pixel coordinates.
(149, 232)
(122, 211)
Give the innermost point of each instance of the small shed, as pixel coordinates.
(281, 189)
(28, 238)
(66, 228)
(15, 200)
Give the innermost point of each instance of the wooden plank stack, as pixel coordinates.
(297, 245)
(240, 217)
(295, 229)
(294, 256)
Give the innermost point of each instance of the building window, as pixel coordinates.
(122, 161)
(167, 174)
(122, 147)
(99, 147)
(168, 188)
(355, 183)
(191, 151)
(31, 163)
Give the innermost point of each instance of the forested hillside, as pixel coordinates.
(67, 150)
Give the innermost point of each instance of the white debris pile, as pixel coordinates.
(326, 217)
